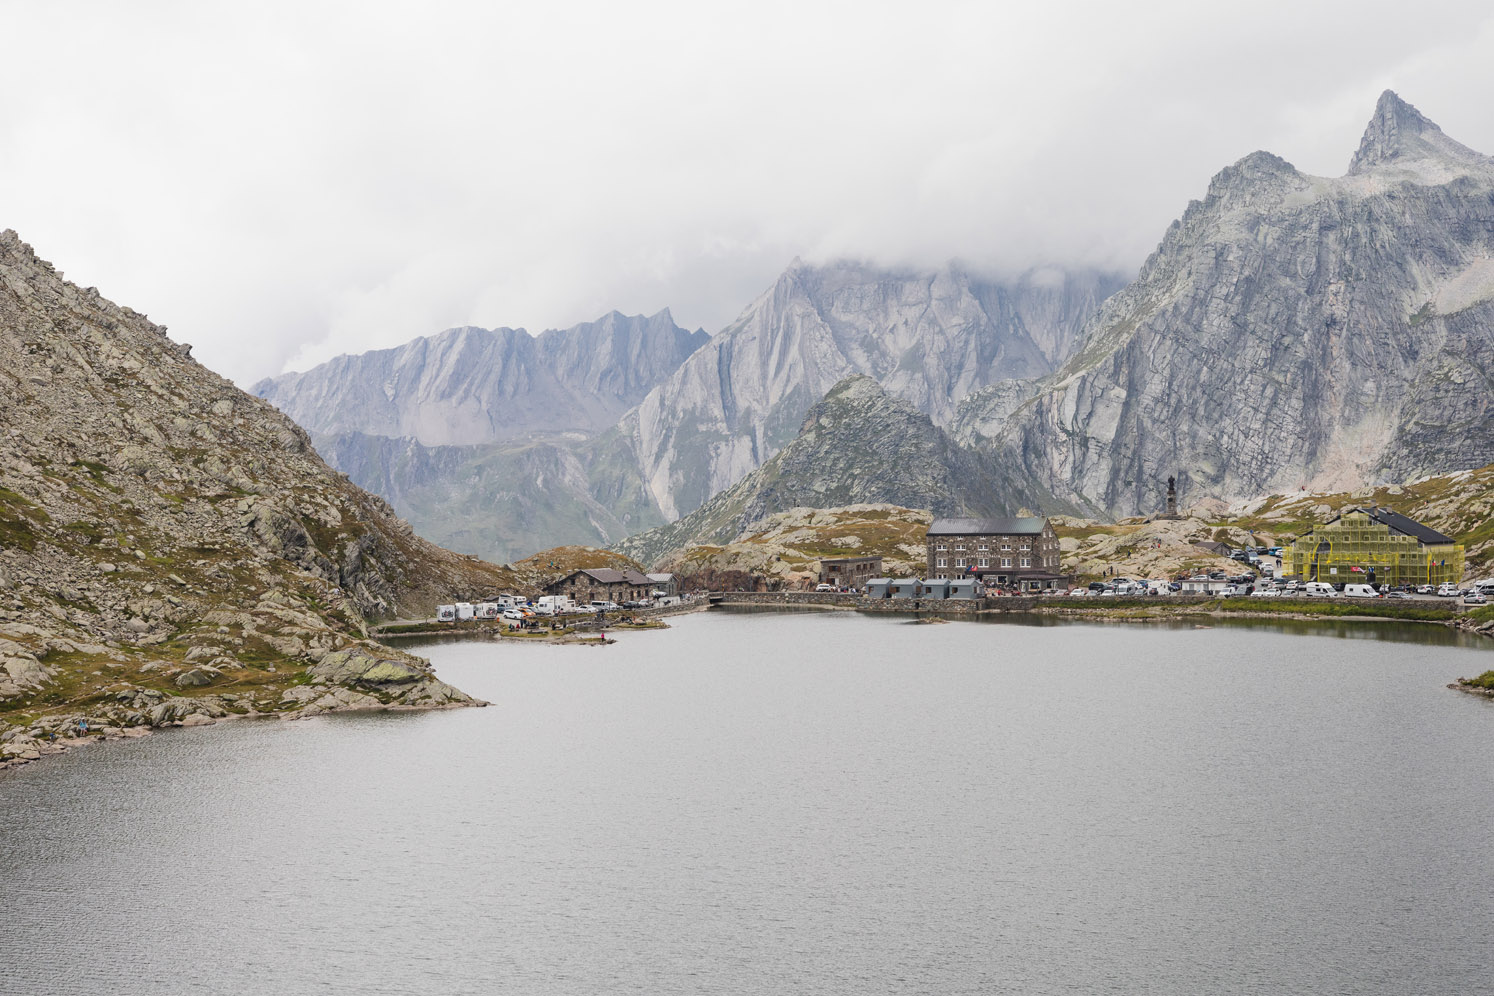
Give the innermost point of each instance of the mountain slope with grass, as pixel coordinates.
(172, 547)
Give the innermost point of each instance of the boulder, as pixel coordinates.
(195, 678)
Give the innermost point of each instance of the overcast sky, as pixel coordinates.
(282, 182)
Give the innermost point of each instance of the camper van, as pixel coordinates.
(486, 610)
(1321, 589)
(1360, 591)
(464, 611)
(554, 605)
(446, 613)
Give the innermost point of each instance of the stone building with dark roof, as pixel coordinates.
(602, 584)
(1020, 552)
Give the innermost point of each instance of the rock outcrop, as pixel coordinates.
(928, 338)
(468, 385)
(1290, 330)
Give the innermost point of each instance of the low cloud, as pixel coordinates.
(282, 182)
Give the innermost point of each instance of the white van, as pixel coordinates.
(1321, 589)
(486, 610)
(1360, 591)
(446, 613)
(464, 611)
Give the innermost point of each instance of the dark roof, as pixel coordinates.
(608, 575)
(1399, 523)
(849, 560)
(1028, 525)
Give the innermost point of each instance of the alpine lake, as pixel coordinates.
(759, 802)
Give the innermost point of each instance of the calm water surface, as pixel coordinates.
(797, 804)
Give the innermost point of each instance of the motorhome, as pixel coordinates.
(487, 610)
(446, 613)
(554, 605)
(1322, 589)
(1360, 591)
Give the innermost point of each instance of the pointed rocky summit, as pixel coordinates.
(1399, 133)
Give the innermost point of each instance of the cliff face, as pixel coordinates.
(503, 501)
(929, 339)
(469, 385)
(858, 445)
(1289, 330)
(162, 531)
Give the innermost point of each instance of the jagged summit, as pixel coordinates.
(1400, 134)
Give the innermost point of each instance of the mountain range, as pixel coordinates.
(1289, 330)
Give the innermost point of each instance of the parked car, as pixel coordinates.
(1446, 590)
(1475, 598)
(824, 587)
(1396, 594)
(602, 606)
(1426, 589)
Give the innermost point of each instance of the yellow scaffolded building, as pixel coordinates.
(1361, 541)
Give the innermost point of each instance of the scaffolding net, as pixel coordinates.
(1353, 547)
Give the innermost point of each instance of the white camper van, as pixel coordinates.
(554, 605)
(1321, 589)
(487, 610)
(446, 613)
(464, 611)
(1360, 591)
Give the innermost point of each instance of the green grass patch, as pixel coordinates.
(1485, 680)
(1337, 607)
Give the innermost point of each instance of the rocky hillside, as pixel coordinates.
(858, 445)
(1290, 330)
(785, 548)
(928, 338)
(471, 385)
(171, 546)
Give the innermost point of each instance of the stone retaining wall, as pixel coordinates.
(939, 606)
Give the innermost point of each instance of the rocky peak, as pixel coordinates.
(1398, 133)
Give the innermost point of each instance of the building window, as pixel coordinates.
(1026, 561)
(941, 546)
(985, 561)
(959, 561)
(940, 562)
(985, 546)
(1006, 561)
(1006, 544)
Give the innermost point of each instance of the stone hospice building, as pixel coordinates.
(602, 584)
(1020, 552)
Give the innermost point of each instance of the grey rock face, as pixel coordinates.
(1289, 330)
(471, 385)
(858, 445)
(929, 338)
(504, 501)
